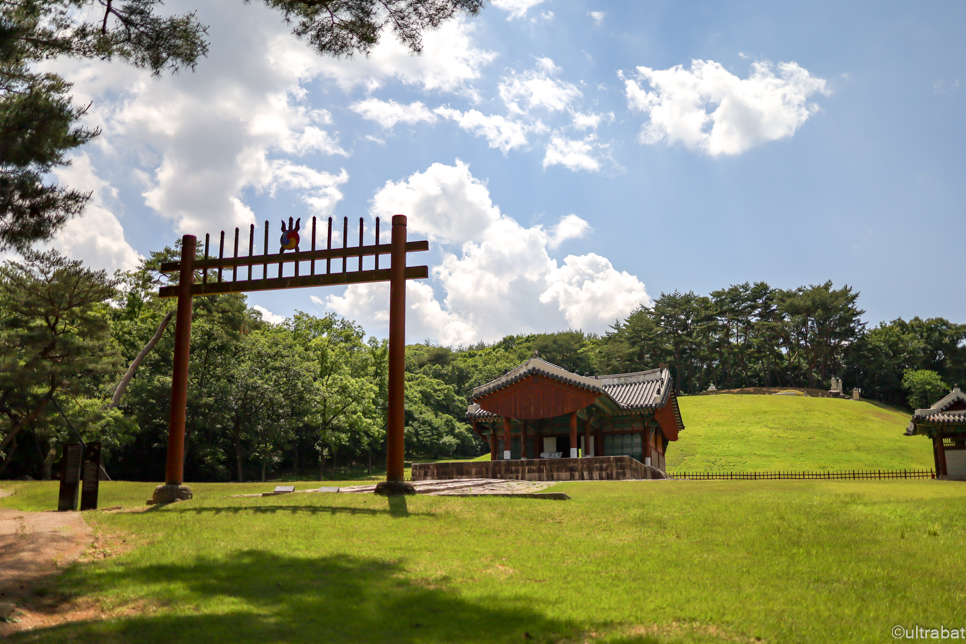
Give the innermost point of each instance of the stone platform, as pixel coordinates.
(594, 468)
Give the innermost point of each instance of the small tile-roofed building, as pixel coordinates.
(540, 410)
(945, 424)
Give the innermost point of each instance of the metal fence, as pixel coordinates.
(774, 476)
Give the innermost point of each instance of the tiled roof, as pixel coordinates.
(946, 418)
(930, 413)
(640, 390)
(628, 391)
(531, 367)
(475, 411)
(937, 414)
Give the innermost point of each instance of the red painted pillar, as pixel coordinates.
(174, 471)
(588, 439)
(573, 434)
(493, 443)
(395, 438)
(646, 437)
(506, 438)
(524, 449)
(941, 469)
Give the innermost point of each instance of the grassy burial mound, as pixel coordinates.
(757, 433)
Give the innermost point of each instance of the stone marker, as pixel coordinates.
(70, 477)
(90, 475)
(283, 489)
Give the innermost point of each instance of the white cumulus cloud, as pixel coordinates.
(268, 316)
(496, 276)
(96, 237)
(388, 113)
(516, 8)
(498, 131)
(572, 154)
(448, 61)
(537, 89)
(708, 108)
(199, 140)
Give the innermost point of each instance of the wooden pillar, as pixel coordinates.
(506, 439)
(587, 439)
(599, 446)
(537, 441)
(573, 434)
(492, 443)
(524, 449)
(646, 437)
(940, 455)
(395, 439)
(174, 471)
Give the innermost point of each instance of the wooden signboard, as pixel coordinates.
(70, 471)
(90, 475)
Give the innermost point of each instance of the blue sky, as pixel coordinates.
(568, 161)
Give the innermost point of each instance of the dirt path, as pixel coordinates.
(33, 547)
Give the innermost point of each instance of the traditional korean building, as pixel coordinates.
(945, 424)
(539, 410)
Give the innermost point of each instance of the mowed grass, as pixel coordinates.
(671, 561)
(745, 433)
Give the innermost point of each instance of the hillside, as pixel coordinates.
(755, 433)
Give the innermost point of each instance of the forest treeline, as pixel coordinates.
(308, 397)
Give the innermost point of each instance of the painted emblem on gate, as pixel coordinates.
(290, 235)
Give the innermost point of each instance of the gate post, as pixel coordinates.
(395, 439)
(173, 489)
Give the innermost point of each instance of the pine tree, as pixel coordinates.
(39, 124)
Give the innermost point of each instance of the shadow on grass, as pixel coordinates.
(259, 596)
(397, 508)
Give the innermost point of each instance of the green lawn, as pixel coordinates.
(744, 433)
(676, 561)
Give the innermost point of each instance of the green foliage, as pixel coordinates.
(38, 123)
(621, 562)
(923, 387)
(55, 341)
(344, 27)
(432, 428)
(879, 358)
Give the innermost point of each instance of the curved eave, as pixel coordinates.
(485, 391)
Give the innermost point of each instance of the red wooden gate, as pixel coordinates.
(266, 264)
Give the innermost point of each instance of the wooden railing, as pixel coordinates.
(831, 475)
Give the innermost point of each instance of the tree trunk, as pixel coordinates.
(321, 466)
(19, 425)
(296, 458)
(370, 462)
(49, 465)
(137, 361)
(238, 459)
(264, 465)
(9, 457)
